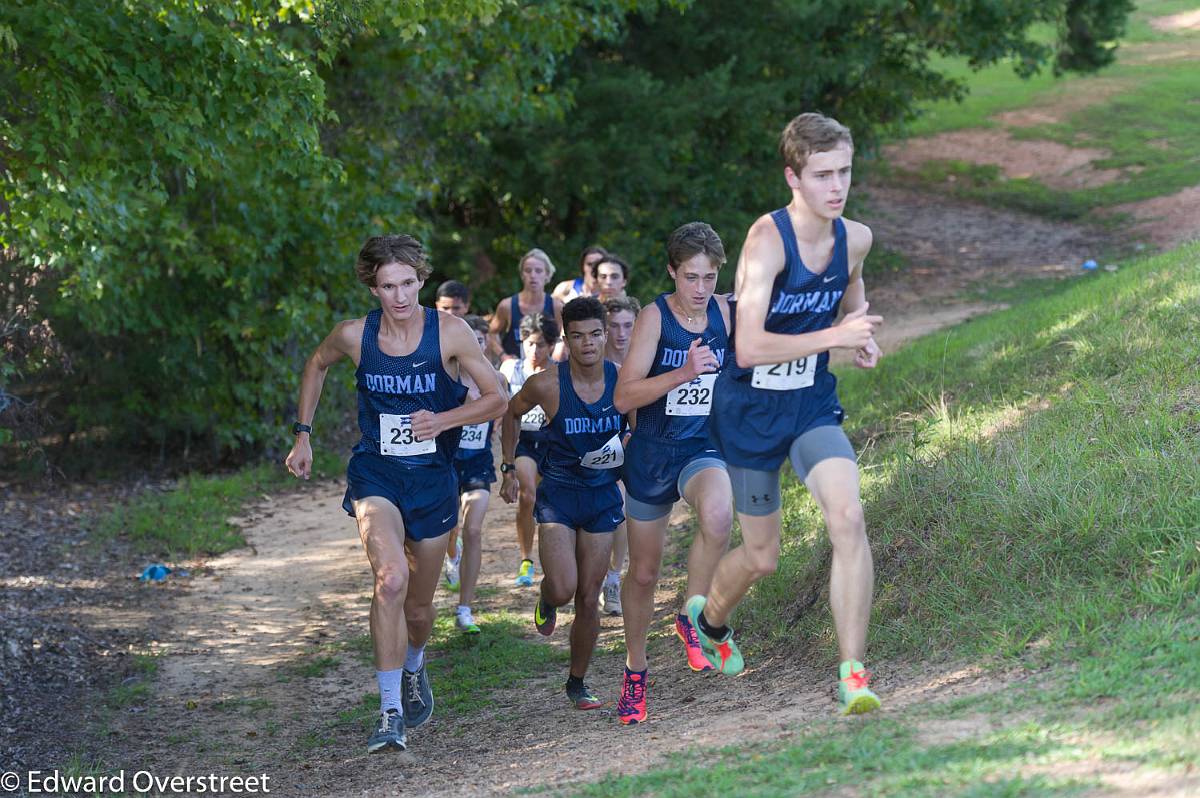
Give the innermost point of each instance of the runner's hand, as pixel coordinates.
(299, 459)
(700, 360)
(868, 356)
(856, 328)
(509, 488)
(426, 425)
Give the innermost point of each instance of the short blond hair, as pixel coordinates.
(808, 134)
(541, 255)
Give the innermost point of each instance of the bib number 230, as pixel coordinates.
(610, 455)
(786, 376)
(396, 437)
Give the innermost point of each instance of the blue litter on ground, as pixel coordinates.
(1090, 265)
(155, 573)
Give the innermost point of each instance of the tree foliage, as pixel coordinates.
(183, 184)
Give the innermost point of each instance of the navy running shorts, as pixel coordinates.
(653, 467)
(426, 497)
(475, 473)
(599, 509)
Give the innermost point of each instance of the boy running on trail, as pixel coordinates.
(679, 344)
(578, 503)
(585, 283)
(622, 313)
(800, 267)
(505, 333)
(476, 472)
(539, 335)
(401, 485)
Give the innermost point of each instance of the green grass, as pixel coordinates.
(192, 518)
(1145, 114)
(1032, 489)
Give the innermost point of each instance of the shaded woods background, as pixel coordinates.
(183, 185)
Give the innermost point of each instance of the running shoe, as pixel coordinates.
(610, 597)
(722, 654)
(525, 573)
(544, 617)
(631, 708)
(450, 573)
(691, 645)
(583, 697)
(389, 733)
(854, 696)
(417, 696)
(465, 622)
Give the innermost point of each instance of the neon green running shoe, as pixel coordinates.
(854, 697)
(723, 654)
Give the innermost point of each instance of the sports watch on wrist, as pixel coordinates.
(297, 428)
(506, 467)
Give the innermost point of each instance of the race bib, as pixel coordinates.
(692, 398)
(610, 455)
(534, 420)
(473, 437)
(786, 376)
(396, 437)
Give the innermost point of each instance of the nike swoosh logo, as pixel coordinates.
(605, 410)
(418, 365)
(829, 278)
(447, 518)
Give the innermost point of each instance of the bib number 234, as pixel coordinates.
(396, 437)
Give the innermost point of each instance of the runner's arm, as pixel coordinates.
(634, 389)
(535, 391)
(497, 330)
(341, 342)
(458, 341)
(859, 242)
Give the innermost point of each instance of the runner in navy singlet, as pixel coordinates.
(401, 485)
(585, 284)
(578, 503)
(800, 267)
(679, 344)
(476, 470)
(505, 333)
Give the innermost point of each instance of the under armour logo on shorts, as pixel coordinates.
(766, 497)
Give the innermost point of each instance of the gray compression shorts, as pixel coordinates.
(757, 492)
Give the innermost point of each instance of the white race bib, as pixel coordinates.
(473, 437)
(610, 455)
(692, 398)
(534, 420)
(786, 376)
(396, 437)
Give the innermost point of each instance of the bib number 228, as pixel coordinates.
(396, 437)
(786, 376)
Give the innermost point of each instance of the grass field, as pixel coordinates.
(1143, 111)
(1032, 488)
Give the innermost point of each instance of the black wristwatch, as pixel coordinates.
(506, 467)
(297, 428)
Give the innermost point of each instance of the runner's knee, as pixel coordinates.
(643, 573)
(715, 522)
(846, 522)
(557, 592)
(526, 496)
(391, 584)
(764, 558)
(472, 535)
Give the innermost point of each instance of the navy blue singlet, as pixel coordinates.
(475, 441)
(802, 302)
(399, 386)
(653, 420)
(511, 342)
(580, 429)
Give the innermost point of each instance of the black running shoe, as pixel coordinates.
(417, 696)
(389, 734)
(544, 617)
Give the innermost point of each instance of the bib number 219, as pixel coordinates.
(786, 376)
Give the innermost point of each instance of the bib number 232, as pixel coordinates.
(692, 398)
(786, 376)
(396, 437)
(610, 455)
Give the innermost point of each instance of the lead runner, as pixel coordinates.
(800, 267)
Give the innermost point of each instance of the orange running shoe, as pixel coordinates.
(631, 708)
(691, 644)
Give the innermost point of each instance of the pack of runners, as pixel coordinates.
(608, 414)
